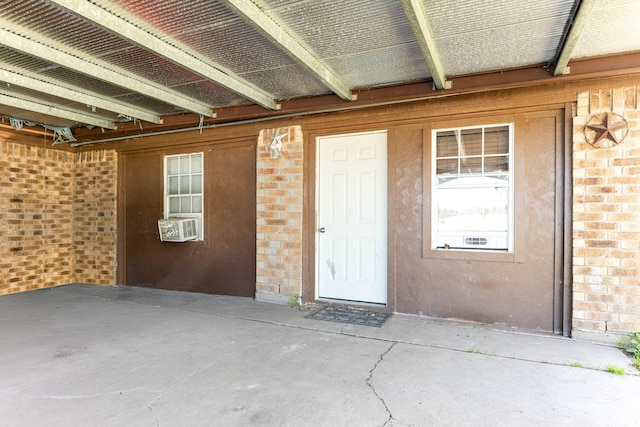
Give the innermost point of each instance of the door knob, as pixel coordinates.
(321, 230)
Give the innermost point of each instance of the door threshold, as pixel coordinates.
(347, 301)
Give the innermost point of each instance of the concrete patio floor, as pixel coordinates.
(82, 355)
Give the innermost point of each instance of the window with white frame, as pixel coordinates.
(472, 188)
(184, 187)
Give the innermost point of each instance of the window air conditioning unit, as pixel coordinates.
(178, 229)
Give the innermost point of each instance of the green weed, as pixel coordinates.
(633, 347)
(294, 301)
(476, 350)
(615, 369)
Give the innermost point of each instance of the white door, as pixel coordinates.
(352, 217)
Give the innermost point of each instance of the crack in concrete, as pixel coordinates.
(372, 387)
(369, 380)
(88, 396)
(342, 331)
(187, 377)
(152, 414)
(169, 389)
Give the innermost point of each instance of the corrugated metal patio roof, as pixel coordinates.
(73, 63)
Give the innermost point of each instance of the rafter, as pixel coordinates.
(170, 51)
(7, 130)
(118, 77)
(422, 31)
(59, 90)
(24, 104)
(577, 24)
(275, 32)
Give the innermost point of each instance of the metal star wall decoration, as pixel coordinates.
(606, 130)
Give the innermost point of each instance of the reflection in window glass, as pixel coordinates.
(173, 185)
(447, 167)
(472, 188)
(470, 142)
(196, 183)
(196, 163)
(447, 144)
(185, 204)
(174, 205)
(471, 166)
(196, 203)
(496, 166)
(473, 209)
(185, 187)
(173, 164)
(185, 164)
(496, 140)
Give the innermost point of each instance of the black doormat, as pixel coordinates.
(350, 315)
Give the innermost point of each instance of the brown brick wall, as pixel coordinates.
(94, 217)
(36, 230)
(279, 217)
(38, 198)
(606, 221)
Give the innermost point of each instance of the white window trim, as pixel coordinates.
(434, 184)
(200, 215)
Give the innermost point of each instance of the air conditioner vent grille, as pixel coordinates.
(475, 241)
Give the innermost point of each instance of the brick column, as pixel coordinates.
(279, 217)
(606, 222)
(94, 217)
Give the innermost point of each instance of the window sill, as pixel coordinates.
(470, 255)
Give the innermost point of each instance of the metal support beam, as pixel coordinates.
(422, 31)
(576, 26)
(180, 56)
(61, 91)
(120, 77)
(275, 32)
(49, 110)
